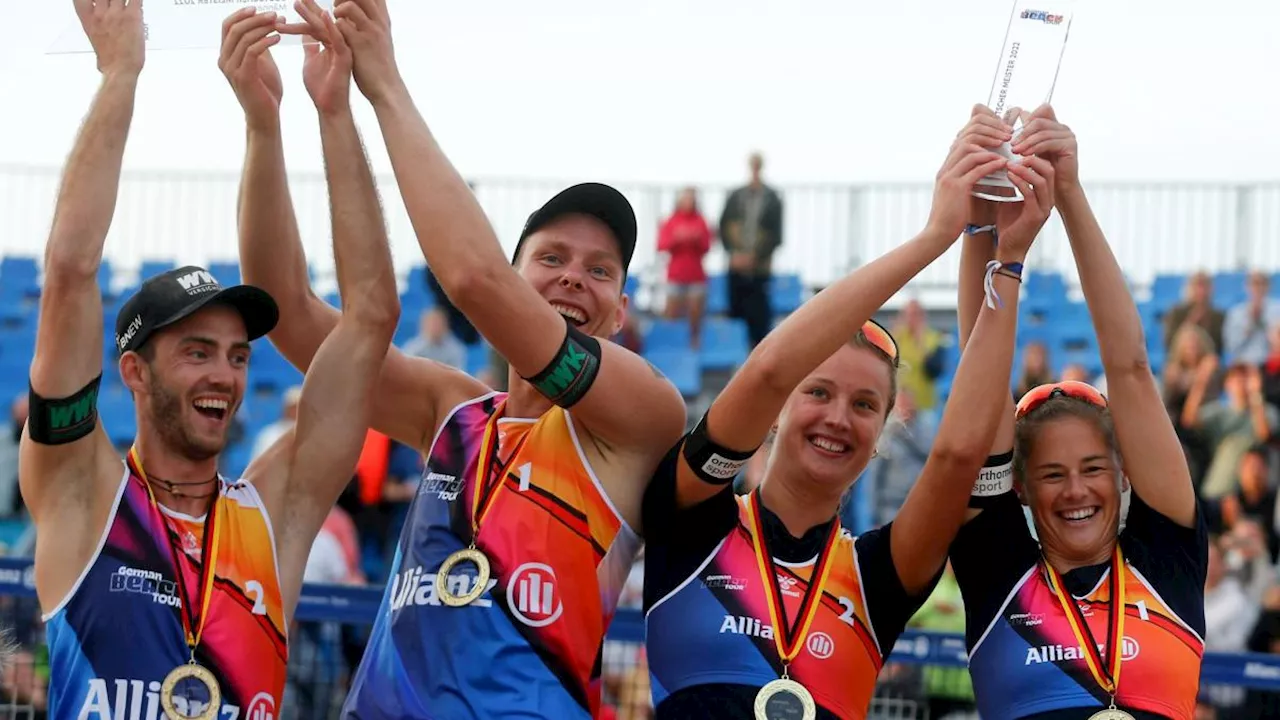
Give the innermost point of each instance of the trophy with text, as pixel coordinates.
(1028, 70)
(188, 24)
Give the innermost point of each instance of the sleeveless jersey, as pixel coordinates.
(715, 628)
(1029, 661)
(530, 646)
(118, 632)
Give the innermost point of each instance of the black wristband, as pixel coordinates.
(62, 421)
(713, 463)
(995, 480)
(572, 371)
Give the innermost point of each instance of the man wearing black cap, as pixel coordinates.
(523, 531)
(164, 583)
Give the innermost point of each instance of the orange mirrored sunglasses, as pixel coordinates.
(877, 335)
(1037, 396)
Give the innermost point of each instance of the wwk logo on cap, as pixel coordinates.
(198, 282)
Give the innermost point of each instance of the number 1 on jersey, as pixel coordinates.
(525, 470)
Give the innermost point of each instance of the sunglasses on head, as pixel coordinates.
(1080, 391)
(877, 335)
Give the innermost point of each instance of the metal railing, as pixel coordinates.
(829, 229)
(332, 623)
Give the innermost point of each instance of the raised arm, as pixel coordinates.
(336, 406)
(629, 406)
(1152, 456)
(977, 249)
(272, 256)
(742, 414)
(979, 402)
(63, 455)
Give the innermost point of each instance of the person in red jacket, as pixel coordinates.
(686, 239)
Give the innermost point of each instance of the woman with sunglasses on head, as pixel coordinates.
(1047, 639)
(763, 606)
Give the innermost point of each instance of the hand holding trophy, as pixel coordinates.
(1025, 78)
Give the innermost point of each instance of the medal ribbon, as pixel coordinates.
(487, 486)
(1107, 672)
(789, 638)
(208, 562)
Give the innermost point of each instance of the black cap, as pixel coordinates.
(597, 200)
(171, 296)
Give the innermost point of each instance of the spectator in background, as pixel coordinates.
(435, 341)
(1264, 704)
(686, 240)
(1035, 369)
(1192, 362)
(268, 435)
(1254, 499)
(1230, 425)
(1075, 372)
(10, 434)
(1197, 310)
(1271, 369)
(1245, 333)
(1238, 576)
(751, 230)
(904, 448)
(921, 352)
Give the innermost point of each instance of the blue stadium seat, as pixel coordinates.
(725, 344)
(1229, 288)
(632, 287)
(667, 334)
(1045, 293)
(786, 292)
(717, 295)
(227, 273)
(19, 278)
(106, 279)
(680, 367)
(269, 372)
(151, 268)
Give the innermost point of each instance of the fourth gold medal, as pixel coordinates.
(784, 698)
(176, 692)
(485, 492)
(1106, 671)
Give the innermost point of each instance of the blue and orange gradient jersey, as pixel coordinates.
(118, 633)
(530, 645)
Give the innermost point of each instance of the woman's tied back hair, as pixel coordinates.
(1028, 427)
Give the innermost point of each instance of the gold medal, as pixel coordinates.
(478, 585)
(1104, 662)
(185, 707)
(177, 701)
(1111, 714)
(485, 492)
(785, 699)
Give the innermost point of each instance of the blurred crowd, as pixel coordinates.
(1220, 381)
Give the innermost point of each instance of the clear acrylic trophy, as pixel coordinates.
(188, 24)
(1025, 77)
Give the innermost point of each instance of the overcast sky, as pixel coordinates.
(672, 90)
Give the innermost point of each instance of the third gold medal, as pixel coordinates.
(485, 492)
(177, 702)
(1106, 671)
(784, 697)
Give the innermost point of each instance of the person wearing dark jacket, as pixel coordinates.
(751, 230)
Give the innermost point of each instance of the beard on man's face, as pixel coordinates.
(167, 414)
